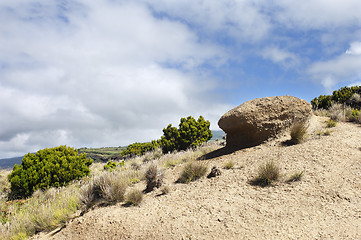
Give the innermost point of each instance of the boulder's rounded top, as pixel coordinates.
(260, 118)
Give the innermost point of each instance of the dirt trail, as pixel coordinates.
(325, 204)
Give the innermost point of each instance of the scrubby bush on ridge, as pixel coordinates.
(345, 95)
(190, 133)
(50, 167)
(138, 149)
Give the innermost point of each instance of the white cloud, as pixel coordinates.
(317, 14)
(341, 69)
(100, 75)
(243, 20)
(279, 56)
(355, 49)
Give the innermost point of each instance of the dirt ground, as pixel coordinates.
(325, 204)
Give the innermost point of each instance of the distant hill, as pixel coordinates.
(217, 134)
(8, 163)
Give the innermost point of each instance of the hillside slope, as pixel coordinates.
(325, 204)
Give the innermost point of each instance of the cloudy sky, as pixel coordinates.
(112, 72)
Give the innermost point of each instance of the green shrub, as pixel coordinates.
(110, 165)
(298, 132)
(267, 173)
(190, 133)
(331, 123)
(50, 167)
(347, 95)
(139, 149)
(192, 171)
(322, 102)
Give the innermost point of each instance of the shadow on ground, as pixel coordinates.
(218, 153)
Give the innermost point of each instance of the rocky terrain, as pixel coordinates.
(325, 204)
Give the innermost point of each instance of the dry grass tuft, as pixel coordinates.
(44, 211)
(108, 187)
(296, 176)
(228, 165)
(298, 132)
(267, 173)
(192, 171)
(134, 197)
(337, 112)
(154, 177)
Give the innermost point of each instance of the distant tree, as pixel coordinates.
(138, 149)
(342, 95)
(322, 102)
(190, 133)
(50, 167)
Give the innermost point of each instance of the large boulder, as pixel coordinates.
(257, 120)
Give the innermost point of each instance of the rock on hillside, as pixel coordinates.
(257, 120)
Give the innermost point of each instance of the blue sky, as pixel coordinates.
(109, 73)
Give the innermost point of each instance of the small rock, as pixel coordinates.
(214, 172)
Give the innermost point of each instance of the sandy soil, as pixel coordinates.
(325, 204)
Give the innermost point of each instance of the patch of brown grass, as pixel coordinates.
(134, 197)
(298, 132)
(192, 171)
(267, 173)
(153, 177)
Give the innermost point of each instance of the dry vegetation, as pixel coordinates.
(137, 181)
(45, 211)
(298, 132)
(267, 173)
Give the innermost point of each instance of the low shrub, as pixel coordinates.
(298, 132)
(153, 177)
(139, 149)
(337, 112)
(190, 134)
(53, 167)
(192, 171)
(135, 165)
(352, 114)
(134, 197)
(267, 173)
(331, 123)
(108, 187)
(110, 166)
